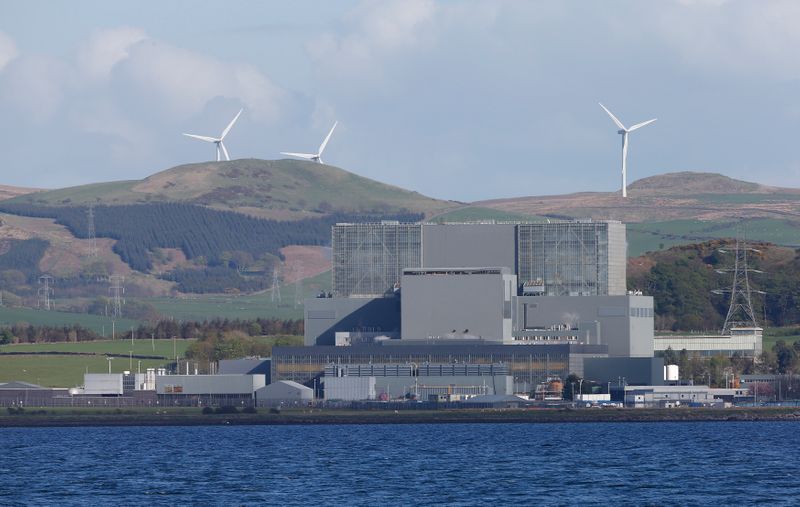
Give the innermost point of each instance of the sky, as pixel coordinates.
(464, 100)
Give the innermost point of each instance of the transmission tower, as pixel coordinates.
(91, 231)
(117, 290)
(276, 284)
(740, 311)
(45, 292)
(298, 284)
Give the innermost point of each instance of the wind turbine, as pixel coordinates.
(624, 132)
(218, 140)
(315, 157)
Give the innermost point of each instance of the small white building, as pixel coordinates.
(668, 396)
(99, 384)
(284, 393)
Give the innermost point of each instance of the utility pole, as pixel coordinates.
(298, 284)
(45, 292)
(117, 290)
(91, 231)
(276, 284)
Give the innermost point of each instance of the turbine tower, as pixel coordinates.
(218, 140)
(314, 157)
(624, 132)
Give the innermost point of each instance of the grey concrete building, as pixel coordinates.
(245, 366)
(209, 384)
(457, 303)
(581, 257)
(645, 371)
(325, 316)
(624, 323)
(468, 245)
(528, 365)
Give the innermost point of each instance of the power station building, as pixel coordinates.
(558, 258)
(534, 299)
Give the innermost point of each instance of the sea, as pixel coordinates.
(699, 463)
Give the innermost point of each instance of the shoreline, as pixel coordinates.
(72, 418)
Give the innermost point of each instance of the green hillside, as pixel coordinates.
(654, 236)
(682, 278)
(249, 185)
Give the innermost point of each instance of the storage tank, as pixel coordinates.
(671, 373)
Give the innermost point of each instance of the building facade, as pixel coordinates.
(556, 258)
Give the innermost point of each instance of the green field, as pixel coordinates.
(206, 307)
(67, 371)
(145, 347)
(653, 236)
(97, 323)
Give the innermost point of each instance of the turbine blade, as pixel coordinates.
(202, 138)
(230, 125)
(222, 145)
(640, 125)
(619, 123)
(308, 156)
(325, 142)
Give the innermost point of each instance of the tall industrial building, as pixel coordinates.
(560, 258)
(534, 298)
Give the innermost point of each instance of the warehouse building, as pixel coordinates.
(356, 382)
(528, 365)
(284, 393)
(208, 389)
(745, 341)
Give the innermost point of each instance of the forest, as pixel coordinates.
(196, 230)
(683, 281)
(209, 329)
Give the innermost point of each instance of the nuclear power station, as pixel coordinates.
(535, 301)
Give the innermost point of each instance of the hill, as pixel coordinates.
(279, 189)
(677, 208)
(672, 196)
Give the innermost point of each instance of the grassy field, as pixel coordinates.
(653, 236)
(97, 323)
(202, 307)
(67, 371)
(64, 371)
(123, 346)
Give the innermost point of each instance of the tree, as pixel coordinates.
(670, 357)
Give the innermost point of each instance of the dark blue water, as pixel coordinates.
(453, 464)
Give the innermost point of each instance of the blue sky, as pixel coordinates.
(463, 100)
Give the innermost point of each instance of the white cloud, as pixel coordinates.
(34, 85)
(375, 29)
(750, 38)
(106, 48)
(8, 50)
(185, 81)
